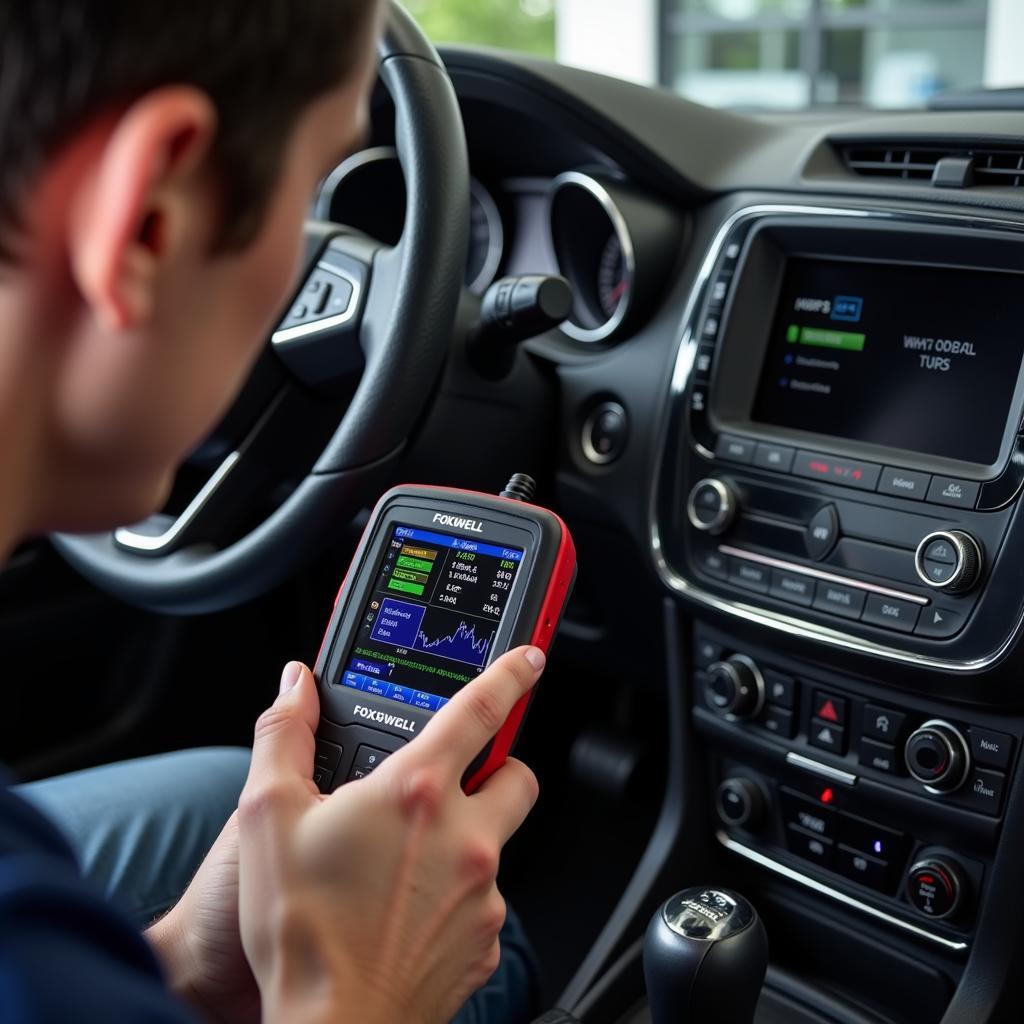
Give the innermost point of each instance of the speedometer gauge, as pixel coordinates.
(612, 278)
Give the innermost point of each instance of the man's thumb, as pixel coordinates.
(283, 742)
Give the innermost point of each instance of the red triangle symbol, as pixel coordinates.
(828, 711)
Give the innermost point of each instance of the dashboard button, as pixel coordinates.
(719, 290)
(604, 433)
(983, 791)
(868, 837)
(703, 363)
(940, 550)
(735, 449)
(934, 887)
(811, 847)
(989, 748)
(707, 653)
(714, 563)
(807, 814)
(827, 736)
(938, 572)
(845, 472)
(791, 586)
(883, 757)
(749, 575)
(890, 613)
(882, 724)
(939, 623)
(710, 328)
(779, 722)
(779, 689)
(774, 456)
(955, 493)
(829, 708)
(859, 867)
(822, 532)
(839, 600)
(902, 483)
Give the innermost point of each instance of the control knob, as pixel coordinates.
(938, 755)
(935, 887)
(740, 803)
(949, 560)
(711, 506)
(735, 687)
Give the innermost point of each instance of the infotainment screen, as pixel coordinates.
(906, 356)
(431, 618)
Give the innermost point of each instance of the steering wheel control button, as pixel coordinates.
(740, 803)
(324, 294)
(882, 724)
(983, 792)
(366, 759)
(956, 493)
(863, 476)
(938, 623)
(776, 457)
(802, 812)
(949, 560)
(779, 689)
(604, 433)
(809, 846)
(839, 600)
(711, 506)
(749, 575)
(822, 533)
(792, 587)
(829, 708)
(902, 483)
(891, 613)
(883, 757)
(934, 888)
(991, 749)
(735, 449)
(735, 687)
(937, 756)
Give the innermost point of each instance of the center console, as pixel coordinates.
(838, 505)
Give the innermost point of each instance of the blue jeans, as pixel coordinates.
(140, 829)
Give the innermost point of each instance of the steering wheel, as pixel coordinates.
(369, 323)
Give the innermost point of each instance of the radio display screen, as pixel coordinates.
(920, 358)
(429, 623)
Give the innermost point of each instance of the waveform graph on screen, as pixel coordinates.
(460, 638)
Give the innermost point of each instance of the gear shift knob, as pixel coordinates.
(705, 956)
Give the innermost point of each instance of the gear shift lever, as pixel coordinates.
(705, 956)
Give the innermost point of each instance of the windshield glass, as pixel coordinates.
(760, 54)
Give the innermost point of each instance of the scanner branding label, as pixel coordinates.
(384, 718)
(458, 522)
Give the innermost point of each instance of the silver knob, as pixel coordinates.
(711, 506)
(949, 560)
(735, 687)
(938, 756)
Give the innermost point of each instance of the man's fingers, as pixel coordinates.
(282, 750)
(459, 731)
(507, 797)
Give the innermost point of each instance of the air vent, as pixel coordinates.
(981, 166)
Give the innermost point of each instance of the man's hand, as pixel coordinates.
(381, 898)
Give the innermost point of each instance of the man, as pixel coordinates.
(157, 162)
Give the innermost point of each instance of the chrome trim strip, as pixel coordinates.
(840, 897)
(685, 355)
(619, 226)
(290, 334)
(818, 574)
(826, 771)
(128, 538)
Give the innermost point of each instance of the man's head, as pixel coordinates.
(156, 162)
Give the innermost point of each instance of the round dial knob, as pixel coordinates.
(937, 755)
(935, 887)
(740, 803)
(735, 687)
(711, 506)
(949, 560)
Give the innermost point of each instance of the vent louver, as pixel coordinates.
(999, 167)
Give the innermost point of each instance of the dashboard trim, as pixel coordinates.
(686, 351)
(840, 897)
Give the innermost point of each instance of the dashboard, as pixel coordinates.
(791, 389)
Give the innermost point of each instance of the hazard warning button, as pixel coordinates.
(829, 708)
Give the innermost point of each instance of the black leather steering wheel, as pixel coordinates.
(391, 340)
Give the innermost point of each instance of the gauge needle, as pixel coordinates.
(618, 292)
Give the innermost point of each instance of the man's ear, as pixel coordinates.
(138, 201)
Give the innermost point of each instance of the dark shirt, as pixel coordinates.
(65, 954)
